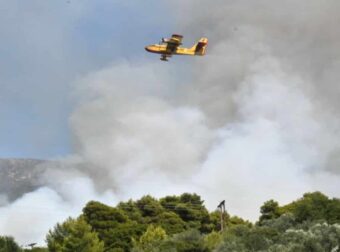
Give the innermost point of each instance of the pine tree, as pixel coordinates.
(73, 235)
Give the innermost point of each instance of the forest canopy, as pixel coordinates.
(182, 223)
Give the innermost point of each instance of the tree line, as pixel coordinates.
(182, 223)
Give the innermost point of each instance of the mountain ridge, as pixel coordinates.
(19, 176)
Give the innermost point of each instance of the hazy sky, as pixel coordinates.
(45, 46)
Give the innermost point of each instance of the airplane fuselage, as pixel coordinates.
(169, 47)
(163, 49)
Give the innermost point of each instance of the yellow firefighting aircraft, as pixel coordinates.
(171, 46)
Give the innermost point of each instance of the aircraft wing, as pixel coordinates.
(174, 42)
(176, 39)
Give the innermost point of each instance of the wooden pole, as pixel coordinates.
(221, 206)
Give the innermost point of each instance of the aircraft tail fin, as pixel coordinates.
(200, 47)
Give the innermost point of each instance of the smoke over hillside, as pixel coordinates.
(256, 118)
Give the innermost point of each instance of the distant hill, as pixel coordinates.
(19, 176)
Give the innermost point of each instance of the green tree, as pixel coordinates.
(102, 217)
(131, 210)
(149, 207)
(317, 238)
(152, 234)
(182, 223)
(269, 210)
(282, 223)
(314, 207)
(73, 235)
(235, 220)
(8, 244)
(215, 221)
(37, 249)
(190, 208)
(150, 239)
(229, 221)
(188, 241)
(231, 244)
(171, 223)
(247, 238)
(333, 211)
(311, 207)
(212, 240)
(112, 225)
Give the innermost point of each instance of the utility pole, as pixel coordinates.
(221, 206)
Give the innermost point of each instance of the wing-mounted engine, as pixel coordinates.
(176, 39)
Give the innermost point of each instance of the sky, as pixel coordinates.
(45, 47)
(256, 118)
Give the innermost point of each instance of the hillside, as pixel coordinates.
(18, 176)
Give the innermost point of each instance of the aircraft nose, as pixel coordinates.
(148, 48)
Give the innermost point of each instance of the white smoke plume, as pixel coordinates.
(256, 118)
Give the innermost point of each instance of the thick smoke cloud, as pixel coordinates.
(257, 118)
(270, 84)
